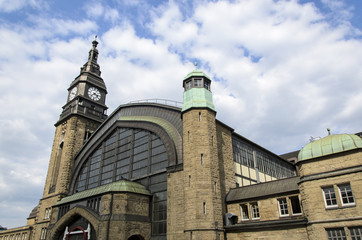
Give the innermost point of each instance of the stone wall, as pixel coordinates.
(68, 139)
(226, 161)
(175, 205)
(208, 174)
(331, 162)
(331, 171)
(268, 208)
(23, 233)
(271, 234)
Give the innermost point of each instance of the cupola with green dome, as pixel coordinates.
(197, 92)
(330, 145)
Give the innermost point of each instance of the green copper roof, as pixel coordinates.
(120, 186)
(197, 97)
(330, 145)
(169, 128)
(196, 73)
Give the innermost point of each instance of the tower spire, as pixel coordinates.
(92, 65)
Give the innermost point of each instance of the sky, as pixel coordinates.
(282, 71)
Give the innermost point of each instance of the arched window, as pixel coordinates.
(134, 154)
(125, 154)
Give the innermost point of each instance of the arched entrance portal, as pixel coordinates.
(76, 228)
(136, 237)
(77, 233)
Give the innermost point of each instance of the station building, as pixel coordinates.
(158, 170)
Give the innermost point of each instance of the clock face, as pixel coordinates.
(94, 93)
(72, 93)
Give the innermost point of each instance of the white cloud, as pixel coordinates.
(111, 15)
(282, 60)
(133, 64)
(170, 25)
(13, 5)
(94, 9)
(339, 9)
(97, 10)
(64, 27)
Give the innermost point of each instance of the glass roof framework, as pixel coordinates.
(126, 154)
(137, 142)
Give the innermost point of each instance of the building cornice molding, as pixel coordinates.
(334, 173)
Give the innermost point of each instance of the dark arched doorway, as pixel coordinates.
(136, 237)
(78, 228)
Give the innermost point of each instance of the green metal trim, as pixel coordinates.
(330, 145)
(119, 186)
(196, 98)
(169, 128)
(196, 73)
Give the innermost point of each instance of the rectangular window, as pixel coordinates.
(254, 209)
(296, 209)
(346, 194)
(356, 233)
(188, 85)
(329, 195)
(47, 213)
(204, 208)
(197, 82)
(336, 234)
(283, 207)
(43, 234)
(244, 212)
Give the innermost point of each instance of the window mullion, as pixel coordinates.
(116, 151)
(131, 154)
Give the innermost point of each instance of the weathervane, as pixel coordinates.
(95, 43)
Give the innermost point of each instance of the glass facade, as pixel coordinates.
(132, 154)
(253, 165)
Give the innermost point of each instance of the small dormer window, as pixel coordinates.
(197, 82)
(188, 84)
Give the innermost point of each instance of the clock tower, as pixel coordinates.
(83, 112)
(87, 93)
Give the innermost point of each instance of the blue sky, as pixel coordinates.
(282, 71)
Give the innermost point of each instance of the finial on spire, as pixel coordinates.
(95, 43)
(195, 65)
(329, 131)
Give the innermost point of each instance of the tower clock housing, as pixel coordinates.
(87, 93)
